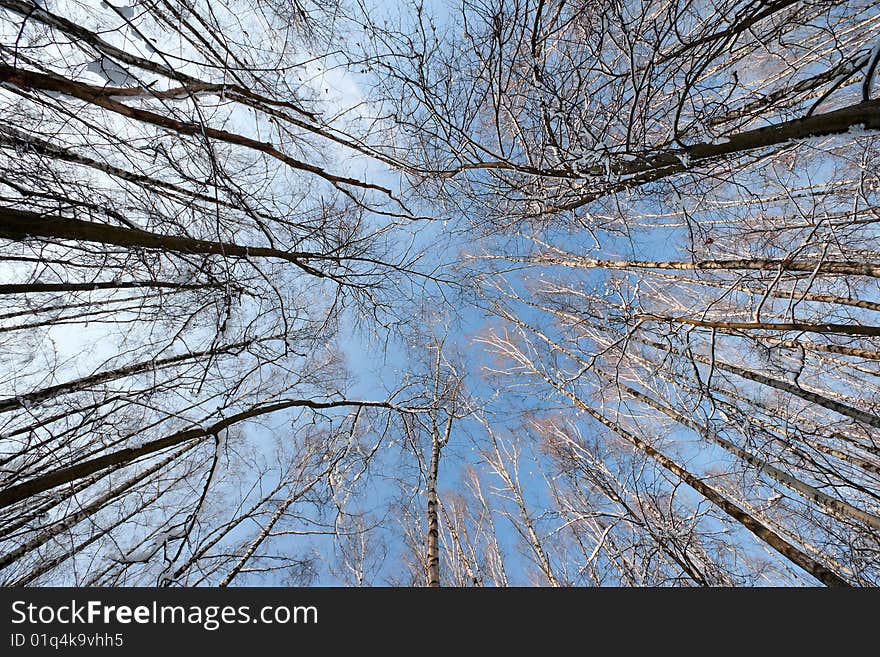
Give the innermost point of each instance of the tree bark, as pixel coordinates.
(65, 475)
(20, 225)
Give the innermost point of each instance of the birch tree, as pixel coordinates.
(678, 203)
(182, 228)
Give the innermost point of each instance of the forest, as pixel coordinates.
(458, 293)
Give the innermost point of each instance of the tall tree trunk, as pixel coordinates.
(433, 521)
(758, 528)
(20, 225)
(65, 475)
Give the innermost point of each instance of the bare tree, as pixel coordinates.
(678, 204)
(181, 235)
